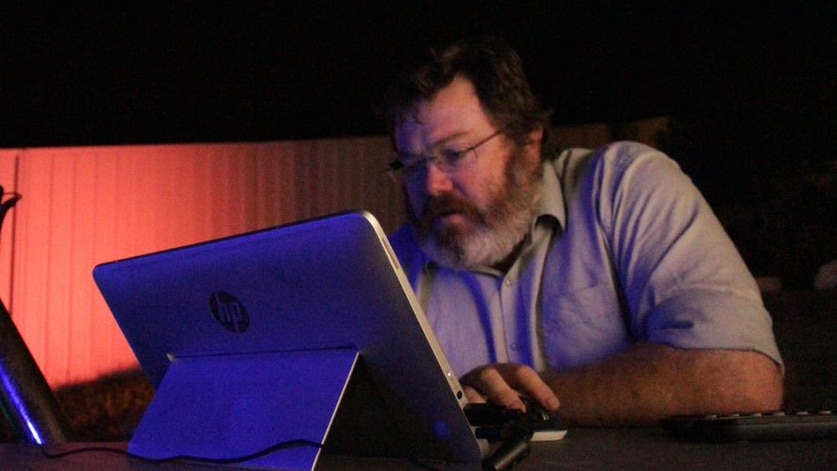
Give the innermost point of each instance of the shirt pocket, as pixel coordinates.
(582, 326)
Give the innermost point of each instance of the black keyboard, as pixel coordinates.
(798, 425)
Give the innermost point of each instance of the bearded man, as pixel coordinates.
(599, 281)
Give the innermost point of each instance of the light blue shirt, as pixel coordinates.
(625, 250)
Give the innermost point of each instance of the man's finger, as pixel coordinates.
(490, 382)
(504, 383)
(473, 395)
(527, 381)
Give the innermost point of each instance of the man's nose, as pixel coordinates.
(438, 181)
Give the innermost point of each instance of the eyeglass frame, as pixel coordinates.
(445, 164)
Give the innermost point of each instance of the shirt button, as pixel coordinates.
(507, 282)
(513, 346)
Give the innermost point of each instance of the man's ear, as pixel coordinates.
(535, 143)
(536, 136)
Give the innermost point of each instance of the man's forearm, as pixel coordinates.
(650, 382)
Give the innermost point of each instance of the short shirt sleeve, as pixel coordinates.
(684, 282)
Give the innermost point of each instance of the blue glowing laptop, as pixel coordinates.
(269, 347)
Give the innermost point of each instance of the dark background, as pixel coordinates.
(749, 86)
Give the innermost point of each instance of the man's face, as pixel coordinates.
(477, 212)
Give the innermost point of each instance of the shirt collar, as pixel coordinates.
(552, 198)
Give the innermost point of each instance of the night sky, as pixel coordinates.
(199, 71)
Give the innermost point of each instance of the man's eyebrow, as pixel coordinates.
(447, 139)
(436, 144)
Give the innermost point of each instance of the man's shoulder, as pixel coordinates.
(573, 164)
(619, 153)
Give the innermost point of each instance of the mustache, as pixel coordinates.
(448, 204)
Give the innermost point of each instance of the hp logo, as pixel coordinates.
(229, 312)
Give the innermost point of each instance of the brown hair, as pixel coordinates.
(496, 71)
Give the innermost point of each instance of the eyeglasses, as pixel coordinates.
(446, 160)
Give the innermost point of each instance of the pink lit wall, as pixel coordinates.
(86, 205)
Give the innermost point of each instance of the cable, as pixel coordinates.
(199, 459)
(216, 461)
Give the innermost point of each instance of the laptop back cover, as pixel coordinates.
(329, 283)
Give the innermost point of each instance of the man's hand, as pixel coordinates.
(503, 384)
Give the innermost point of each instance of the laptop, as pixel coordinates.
(269, 347)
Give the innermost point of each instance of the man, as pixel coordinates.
(598, 278)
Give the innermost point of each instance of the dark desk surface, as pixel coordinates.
(582, 449)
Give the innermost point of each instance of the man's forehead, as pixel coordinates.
(455, 109)
(418, 133)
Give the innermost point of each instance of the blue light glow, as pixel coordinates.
(18, 404)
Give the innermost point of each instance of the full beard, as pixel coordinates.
(489, 235)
